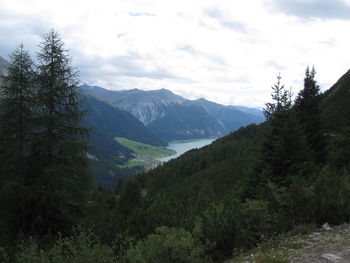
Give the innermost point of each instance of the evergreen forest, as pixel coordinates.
(208, 205)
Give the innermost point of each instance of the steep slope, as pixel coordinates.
(227, 191)
(183, 122)
(174, 118)
(219, 165)
(225, 157)
(336, 104)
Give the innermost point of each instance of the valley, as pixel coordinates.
(174, 131)
(145, 156)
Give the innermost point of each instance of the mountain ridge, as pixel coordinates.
(173, 117)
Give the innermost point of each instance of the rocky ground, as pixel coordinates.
(327, 245)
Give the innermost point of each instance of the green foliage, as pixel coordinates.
(44, 176)
(258, 220)
(269, 257)
(340, 149)
(167, 244)
(82, 247)
(332, 195)
(285, 151)
(130, 198)
(16, 115)
(16, 130)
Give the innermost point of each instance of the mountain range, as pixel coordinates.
(173, 117)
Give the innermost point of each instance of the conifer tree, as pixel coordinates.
(16, 115)
(60, 173)
(284, 150)
(308, 111)
(16, 126)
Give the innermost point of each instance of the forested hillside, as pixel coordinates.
(247, 187)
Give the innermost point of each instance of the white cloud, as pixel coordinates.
(226, 51)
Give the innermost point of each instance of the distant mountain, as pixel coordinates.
(255, 111)
(231, 117)
(173, 117)
(116, 122)
(147, 106)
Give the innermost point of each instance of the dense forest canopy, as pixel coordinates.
(205, 206)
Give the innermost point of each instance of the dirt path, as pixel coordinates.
(331, 246)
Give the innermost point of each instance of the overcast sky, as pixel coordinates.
(227, 51)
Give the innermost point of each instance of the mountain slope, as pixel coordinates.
(228, 193)
(231, 117)
(335, 104)
(115, 122)
(172, 117)
(201, 165)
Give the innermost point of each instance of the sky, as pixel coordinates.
(226, 51)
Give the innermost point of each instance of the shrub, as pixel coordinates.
(269, 257)
(82, 247)
(168, 244)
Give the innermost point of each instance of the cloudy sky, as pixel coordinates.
(228, 51)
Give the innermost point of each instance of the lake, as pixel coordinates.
(182, 147)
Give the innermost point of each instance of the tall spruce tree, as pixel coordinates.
(308, 112)
(16, 115)
(17, 91)
(60, 170)
(284, 150)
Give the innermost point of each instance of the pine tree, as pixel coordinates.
(308, 111)
(16, 115)
(284, 150)
(16, 127)
(60, 169)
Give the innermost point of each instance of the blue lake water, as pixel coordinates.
(183, 147)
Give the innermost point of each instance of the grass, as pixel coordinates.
(145, 149)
